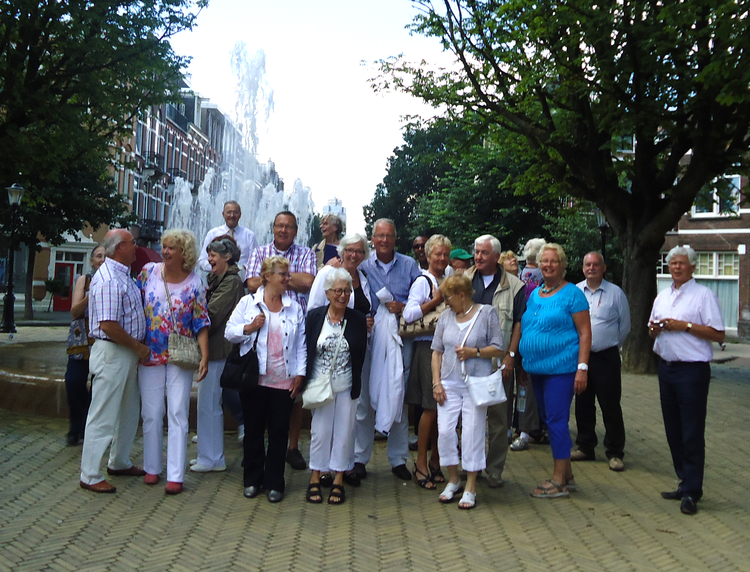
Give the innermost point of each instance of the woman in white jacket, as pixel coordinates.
(279, 325)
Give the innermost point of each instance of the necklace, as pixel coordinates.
(330, 320)
(546, 290)
(467, 311)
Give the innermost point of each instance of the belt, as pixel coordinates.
(681, 363)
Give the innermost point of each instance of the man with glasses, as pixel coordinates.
(244, 237)
(388, 269)
(302, 268)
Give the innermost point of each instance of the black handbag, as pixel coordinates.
(241, 373)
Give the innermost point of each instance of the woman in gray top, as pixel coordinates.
(467, 337)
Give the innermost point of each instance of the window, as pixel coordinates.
(729, 264)
(715, 201)
(705, 265)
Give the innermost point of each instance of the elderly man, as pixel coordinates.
(610, 325)
(505, 293)
(388, 269)
(244, 237)
(118, 324)
(685, 320)
(303, 269)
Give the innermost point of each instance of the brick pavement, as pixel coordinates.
(616, 522)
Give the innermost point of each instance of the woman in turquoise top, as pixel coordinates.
(555, 345)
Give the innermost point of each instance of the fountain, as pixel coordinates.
(255, 186)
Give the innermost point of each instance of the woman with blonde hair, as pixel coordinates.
(509, 262)
(174, 300)
(331, 227)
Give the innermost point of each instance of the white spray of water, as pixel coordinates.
(254, 185)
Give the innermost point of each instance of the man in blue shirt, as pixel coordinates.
(610, 325)
(385, 269)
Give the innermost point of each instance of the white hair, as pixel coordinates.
(683, 251)
(496, 248)
(532, 249)
(353, 238)
(336, 275)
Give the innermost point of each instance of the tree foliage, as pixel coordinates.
(579, 80)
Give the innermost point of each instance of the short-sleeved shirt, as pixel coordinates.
(301, 260)
(549, 338)
(244, 237)
(189, 310)
(532, 278)
(396, 276)
(114, 297)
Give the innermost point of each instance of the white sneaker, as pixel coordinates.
(195, 439)
(241, 434)
(206, 469)
(193, 462)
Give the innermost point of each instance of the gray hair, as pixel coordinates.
(385, 221)
(336, 275)
(496, 248)
(111, 240)
(532, 249)
(224, 245)
(683, 251)
(353, 238)
(437, 240)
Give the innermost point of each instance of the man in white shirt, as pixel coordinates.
(245, 238)
(610, 325)
(685, 321)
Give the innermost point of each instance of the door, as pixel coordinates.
(63, 274)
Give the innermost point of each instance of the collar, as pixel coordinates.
(686, 286)
(117, 266)
(283, 253)
(286, 300)
(603, 286)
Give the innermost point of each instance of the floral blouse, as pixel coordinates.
(189, 310)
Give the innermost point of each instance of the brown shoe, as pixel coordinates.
(100, 487)
(129, 472)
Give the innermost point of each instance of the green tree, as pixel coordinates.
(579, 80)
(73, 76)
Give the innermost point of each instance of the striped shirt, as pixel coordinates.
(114, 297)
(301, 259)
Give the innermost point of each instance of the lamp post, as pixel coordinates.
(601, 222)
(15, 192)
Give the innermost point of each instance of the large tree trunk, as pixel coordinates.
(28, 307)
(639, 284)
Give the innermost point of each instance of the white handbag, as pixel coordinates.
(484, 390)
(319, 390)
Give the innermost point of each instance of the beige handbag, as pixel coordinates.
(183, 350)
(424, 326)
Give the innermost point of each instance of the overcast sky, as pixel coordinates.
(328, 128)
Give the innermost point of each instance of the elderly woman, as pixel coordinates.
(425, 297)
(341, 358)
(77, 372)
(225, 288)
(509, 262)
(467, 337)
(331, 227)
(555, 345)
(174, 300)
(685, 321)
(531, 275)
(277, 322)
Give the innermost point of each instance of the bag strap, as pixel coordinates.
(466, 337)
(169, 297)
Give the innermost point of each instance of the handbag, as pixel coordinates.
(424, 326)
(319, 390)
(241, 373)
(79, 342)
(484, 390)
(183, 350)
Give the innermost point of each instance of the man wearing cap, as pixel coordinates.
(460, 260)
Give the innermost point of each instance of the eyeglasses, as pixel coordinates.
(417, 247)
(354, 251)
(383, 236)
(338, 292)
(284, 227)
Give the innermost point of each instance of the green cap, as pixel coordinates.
(461, 254)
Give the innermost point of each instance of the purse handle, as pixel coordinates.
(466, 337)
(169, 298)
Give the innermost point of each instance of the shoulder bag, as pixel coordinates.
(484, 390)
(424, 326)
(183, 350)
(241, 373)
(79, 342)
(319, 391)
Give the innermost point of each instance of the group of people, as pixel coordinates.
(384, 331)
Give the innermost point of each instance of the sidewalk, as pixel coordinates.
(617, 521)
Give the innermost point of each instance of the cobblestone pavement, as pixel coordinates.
(617, 521)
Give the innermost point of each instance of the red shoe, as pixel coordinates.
(129, 472)
(173, 488)
(150, 479)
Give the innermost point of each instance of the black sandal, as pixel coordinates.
(436, 475)
(314, 490)
(424, 482)
(326, 480)
(337, 496)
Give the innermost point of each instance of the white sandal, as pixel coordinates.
(468, 501)
(450, 491)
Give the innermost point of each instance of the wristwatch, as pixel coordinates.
(512, 354)
(479, 354)
(583, 366)
(689, 327)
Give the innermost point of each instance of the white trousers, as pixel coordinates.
(332, 435)
(113, 413)
(156, 381)
(211, 417)
(458, 403)
(364, 429)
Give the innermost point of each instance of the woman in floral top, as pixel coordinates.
(156, 377)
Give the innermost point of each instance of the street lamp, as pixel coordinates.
(601, 222)
(15, 192)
